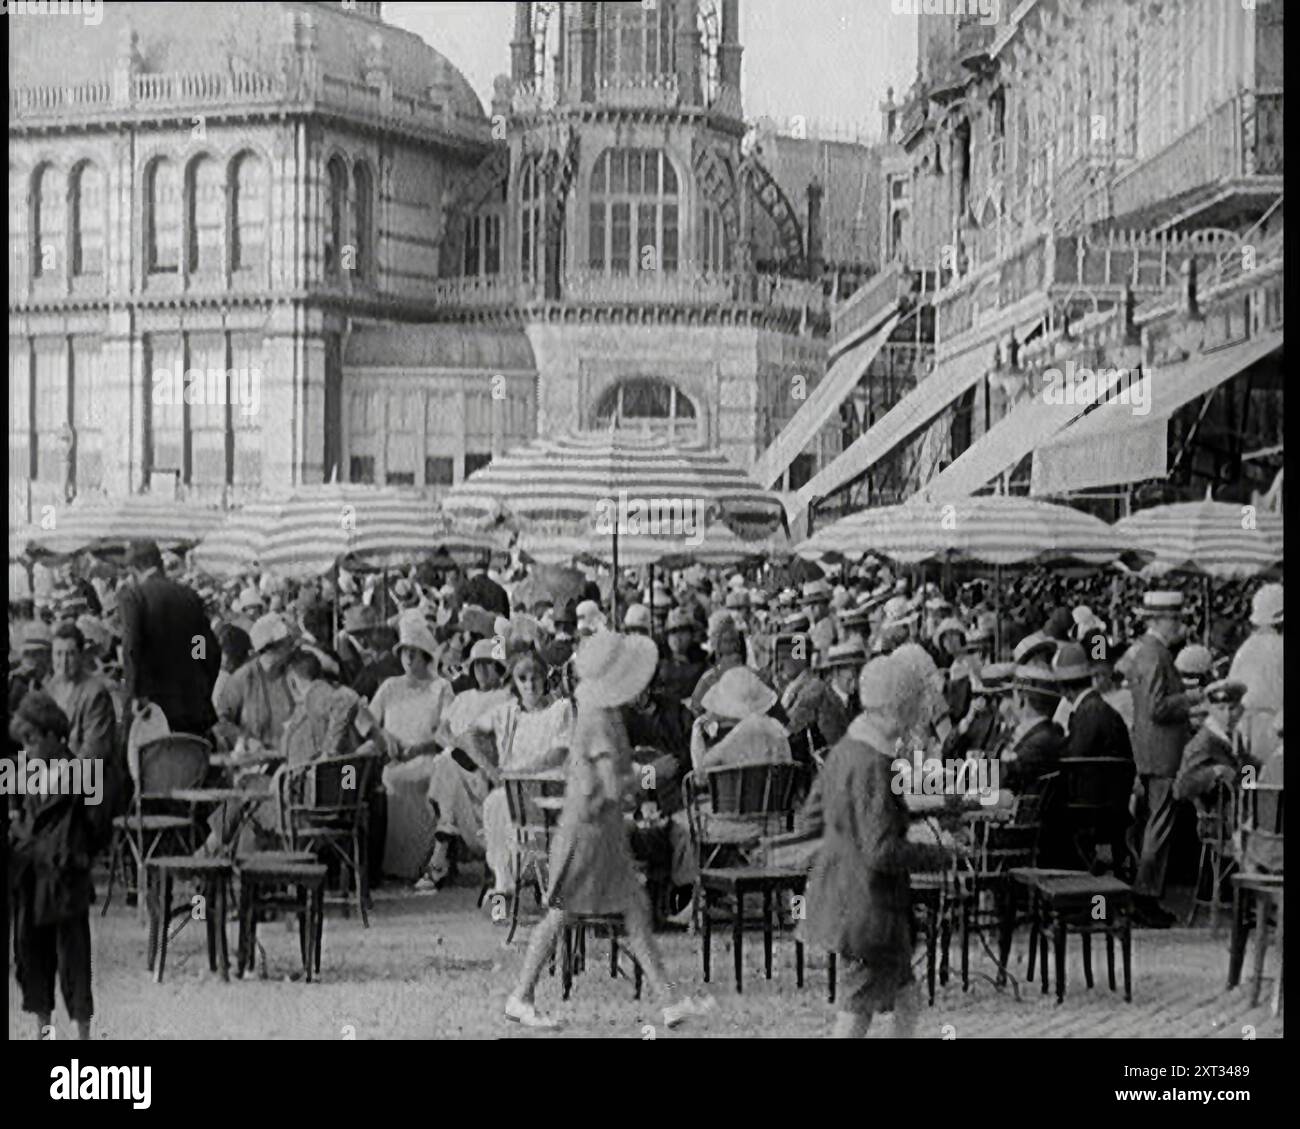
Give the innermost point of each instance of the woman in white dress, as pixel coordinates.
(532, 736)
(408, 709)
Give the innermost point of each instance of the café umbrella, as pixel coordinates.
(1219, 540)
(110, 526)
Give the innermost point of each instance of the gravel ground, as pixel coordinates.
(433, 966)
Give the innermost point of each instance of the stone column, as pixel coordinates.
(125, 386)
(730, 51)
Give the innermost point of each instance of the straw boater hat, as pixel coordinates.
(843, 654)
(413, 631)
(858, 616)
(739, 694)
(795, 624)
(1070, 665)
(613, 669)
(1032, 647)
(37, 637)
(898, 613)
(249, 599)
(269, 631)
(1266, 607)
(1156, 603)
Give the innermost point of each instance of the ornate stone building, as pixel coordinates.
(253, 245)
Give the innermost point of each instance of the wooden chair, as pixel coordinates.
(1257, 890)
(533, 831)
(1215, 818)
(275, 883)
(213, 877)
(153, 821)
(325, 808)
(747, 803)
(1094, 803)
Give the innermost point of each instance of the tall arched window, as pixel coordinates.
(483, 234)
(248, 212)
(649, 405)
(635, 41)
(336, 191)
(48, 221)
(87, 202)
(206, 223)
(363, 187)
(634, 212)
(715, 250)
(532, 253)
(163, 216)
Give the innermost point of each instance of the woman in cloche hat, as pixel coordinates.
(591, 862)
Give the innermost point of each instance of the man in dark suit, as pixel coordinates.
(1035, 746)
(482, 591)
(1161, 709)
(169, 654)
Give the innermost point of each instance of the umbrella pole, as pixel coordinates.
(613, 585)
(652, 602)
(1205, 610)
(337, 598)
(997, 612)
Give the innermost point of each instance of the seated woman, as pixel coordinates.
(532, 734)
(408, 710)
(464, 772)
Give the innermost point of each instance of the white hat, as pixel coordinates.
(738, 694)
(637, 616)
(269, 630)
(1266, 607)
(613, 669)
(248, 599)
(413, 631)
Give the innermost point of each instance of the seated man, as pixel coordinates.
(659, 731)
(324, 718)
(1034, 747)
(1210, 757)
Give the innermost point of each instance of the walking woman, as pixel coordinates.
(859, 897)
(591, 861)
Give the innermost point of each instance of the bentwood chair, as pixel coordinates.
(534, 828)
(324, 808)
(1095, 798)
(1257, 890)
(154, 822)
(1215, 816)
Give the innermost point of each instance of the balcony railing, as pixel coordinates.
(640, 92)
(1242, 137)
(865, 306)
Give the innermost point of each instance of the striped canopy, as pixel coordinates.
(305, 532)
(1215, 539)
(584, 489)
(718, 546)
(106, 526)
(989, 529)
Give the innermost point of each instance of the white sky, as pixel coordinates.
(828, 61)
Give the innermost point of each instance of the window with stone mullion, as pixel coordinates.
(634, 196)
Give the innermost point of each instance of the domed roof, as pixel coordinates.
(241, 36)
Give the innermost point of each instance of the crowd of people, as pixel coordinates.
(457, 677)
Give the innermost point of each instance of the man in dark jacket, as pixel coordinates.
(1034, 747)
(482, 591)
(1161, 708)
(169, 655)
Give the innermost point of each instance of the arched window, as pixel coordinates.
(634, 212)
(363, 184)
(635, 41)
(248, 212)
(48, 221)
(336, 190)
(206, 224)
(715, 250)
(163, 219)
(649, 405)
(532, 251)
(87, 202)
(483, 234)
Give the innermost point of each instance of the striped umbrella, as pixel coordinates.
(717, 546)
(987, 529)
(636, 494)
(1215, 539)
(305, 532)
(98, 527)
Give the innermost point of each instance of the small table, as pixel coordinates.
(1065, 900)
(243, 802)
(256, 760)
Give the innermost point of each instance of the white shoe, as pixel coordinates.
(690, 1006)
(526, 1015)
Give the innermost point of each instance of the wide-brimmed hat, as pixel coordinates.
(248, 599)
(679, 619)
(1194, 661)
(815, 592)
(843, 654)
(637, 618)
(1156, 603)
(1266, 607)
(413, 631)
(739, 694)
(1033, 647)
(1070, 665)
(37, 636)
(1226, 691)
(613, 668)
(487, 651)
(269, 630)
(1037, 674)
(994, 678)
(899, 612)
(795, 624)
(858, 616)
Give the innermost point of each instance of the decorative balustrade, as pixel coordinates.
(864, 307)
(492, 291)
(1242, 137)
(640, 92)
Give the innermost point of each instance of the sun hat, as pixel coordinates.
(679, 619)
(736, 582)
(1194, 661)
(898, 613)
(248, 599)
(269, 630)
(486, 651)
(1033, 646)
(413, 631)
(843, 654)
(1266, 607)
(950, 625)
(739, 694)
(636, 618)
(613, 669)
(858, 616)
(1070, 665)
(1156, 603)
(895, 687)
(994, 678)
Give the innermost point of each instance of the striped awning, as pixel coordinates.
(993, 530)
(306, 531)
(76, 528)
(607, 482)
(1217, 539)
